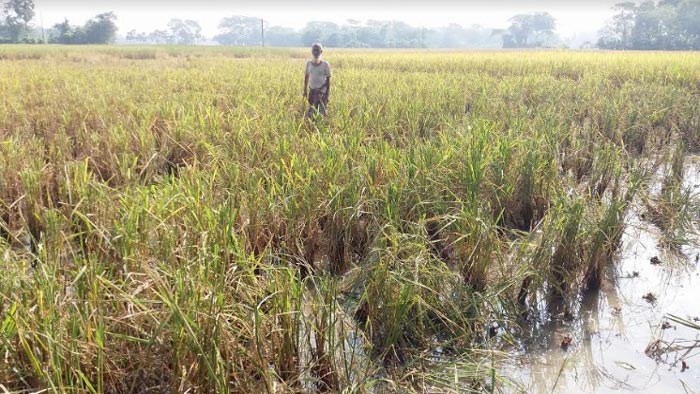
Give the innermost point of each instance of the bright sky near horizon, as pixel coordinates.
(573, 17)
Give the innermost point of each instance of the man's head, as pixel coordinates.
(316, 50)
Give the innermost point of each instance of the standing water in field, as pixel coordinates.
(639, 333)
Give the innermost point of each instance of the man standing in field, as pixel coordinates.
(317, 82)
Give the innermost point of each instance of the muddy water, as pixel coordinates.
(613, 329)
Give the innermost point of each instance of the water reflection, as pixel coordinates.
(611, 328)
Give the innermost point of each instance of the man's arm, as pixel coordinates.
(328, 87)
(328, 81)
(306, 83)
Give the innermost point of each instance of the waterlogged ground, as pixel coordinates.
(622, 339)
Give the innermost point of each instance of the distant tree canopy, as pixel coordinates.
(185, 32)
(240, 30)
(180, 32)
(530, 31)
(101, 29)
(244, 30)
(667, 24)
(458, 36)
(281, 36)
(15, 16)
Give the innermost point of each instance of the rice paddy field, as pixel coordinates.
(170, 222)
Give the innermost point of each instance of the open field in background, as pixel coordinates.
(169, 222)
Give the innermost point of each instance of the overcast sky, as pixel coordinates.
(146, 15)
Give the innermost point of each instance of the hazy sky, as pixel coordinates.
(147, 15)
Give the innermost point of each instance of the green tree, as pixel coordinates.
(669, 25)
(239, 30)
(617, 35)
(17, 15)
(159, 36)
(101, 29)
(185, 32)
(62, 33)
(651, 27)
(136, 36)
(319, 32)
(530, 30)
(279, 36)
(687, 24)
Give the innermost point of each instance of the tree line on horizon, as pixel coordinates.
(665, 24)
(15, 27)
(251, 31)
(662, 25)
